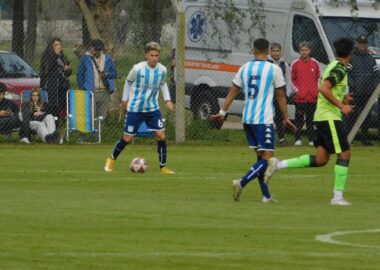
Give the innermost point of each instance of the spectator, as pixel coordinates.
(305, 73)
(54, 72)
(363, 77)
(33, 112)
(276, 58)
(9, 118)
(96, 73)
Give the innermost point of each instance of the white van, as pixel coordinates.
(213, 57)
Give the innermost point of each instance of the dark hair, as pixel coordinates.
(97, 44)
(3, 87)
(275, 45)
(49, 50)
(344, 46)
(261, 44)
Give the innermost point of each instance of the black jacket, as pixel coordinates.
(363, 74)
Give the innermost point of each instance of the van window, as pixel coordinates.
(304, 29)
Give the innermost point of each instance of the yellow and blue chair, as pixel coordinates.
(80, 113)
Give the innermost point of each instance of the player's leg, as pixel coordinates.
(266, 196)
(262, 136)
(342, 163)
(132, 123)
(154, 122)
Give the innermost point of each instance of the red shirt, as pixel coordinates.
(305, 76)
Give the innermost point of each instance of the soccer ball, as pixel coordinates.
(138, 165)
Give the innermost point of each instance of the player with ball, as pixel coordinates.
(140, 100)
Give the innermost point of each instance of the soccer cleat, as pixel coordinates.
(268, 200)
(25, 140)
(272, 167)
(110, 164)
(237, 189)
(311, 143)
(166, 170)
(341, 202)
(298, 143)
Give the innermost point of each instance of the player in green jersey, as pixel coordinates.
(331, 137)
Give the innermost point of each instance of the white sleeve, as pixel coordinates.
(165, 91)
(132, 74)
(127, 90)
(237, 80)
(278, 78)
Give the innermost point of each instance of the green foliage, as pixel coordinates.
(60, 210)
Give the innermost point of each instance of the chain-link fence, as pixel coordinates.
(212, 59)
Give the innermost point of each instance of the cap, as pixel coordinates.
(97, 44)
(362, 39)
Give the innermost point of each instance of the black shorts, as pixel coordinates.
(332, 136)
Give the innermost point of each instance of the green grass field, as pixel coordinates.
(59, 210)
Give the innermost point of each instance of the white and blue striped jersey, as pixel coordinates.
(259, 79)
(146, 81)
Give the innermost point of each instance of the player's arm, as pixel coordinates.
(234, 90)
(165, 92)
(281, 100)
(335, 76)
(125, 97)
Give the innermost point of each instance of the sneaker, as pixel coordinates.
(25, 140)
(282, 142)
(298, 143)
(237, 189)
(311, 143)
(110, 164)
(272, 167)
(341, 202)
(166, 170)
(268, 200)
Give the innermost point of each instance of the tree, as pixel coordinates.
(18, 27)
(31, 31)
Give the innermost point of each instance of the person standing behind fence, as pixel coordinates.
(140, 100)
(275, 58)
(363, 77)
(305, 72)
(54, 73)
(97, 73)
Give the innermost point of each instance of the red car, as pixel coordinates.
(17, 75)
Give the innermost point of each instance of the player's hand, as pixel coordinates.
(217, 117)
(124, 105)
(169, 104)
(347, 109)
(289, 125)
(347, 99)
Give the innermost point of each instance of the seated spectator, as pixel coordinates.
(42, 123)
(9, 117)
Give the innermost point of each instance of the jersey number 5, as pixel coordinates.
(253, 86)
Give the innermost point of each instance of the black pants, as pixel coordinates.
(305, 110)
(278, 118)
(8, 123)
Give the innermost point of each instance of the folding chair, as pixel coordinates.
(80, 113)
(25, 96)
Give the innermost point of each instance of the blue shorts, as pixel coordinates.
(134, 120)
(260, 137)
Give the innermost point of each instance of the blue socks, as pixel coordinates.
(257, 169)
(119, 146)
(161, 150)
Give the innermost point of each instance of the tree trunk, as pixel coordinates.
(18, 28)
(31, 32)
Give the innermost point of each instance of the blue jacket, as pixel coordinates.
(85, 74)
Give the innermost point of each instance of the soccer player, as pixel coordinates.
(260, 81)
(140, 100)
(331, 137)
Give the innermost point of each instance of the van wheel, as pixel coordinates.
(205, 105)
